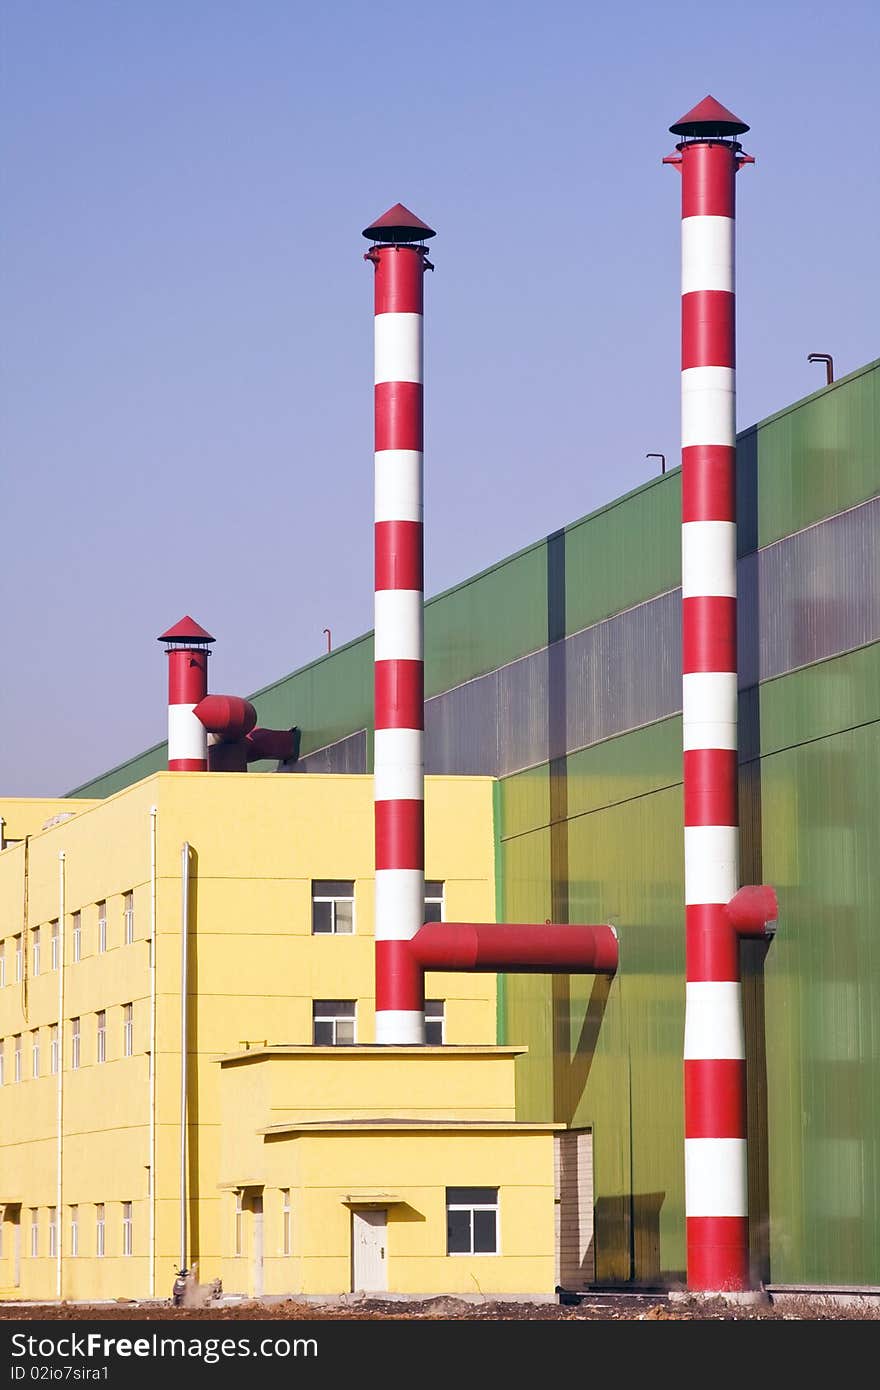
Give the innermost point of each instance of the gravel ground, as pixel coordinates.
(595, 1307)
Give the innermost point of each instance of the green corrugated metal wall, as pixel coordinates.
(602, 838)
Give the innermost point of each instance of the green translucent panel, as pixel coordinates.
(624, 554)
(816, 458)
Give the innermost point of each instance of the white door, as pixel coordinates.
(257, 1218)
(369, 1252)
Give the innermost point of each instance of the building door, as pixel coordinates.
(10, 1237)
(256, 1205)
(575, 1263)
(369, 1252)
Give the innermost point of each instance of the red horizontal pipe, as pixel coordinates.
(270, 743)
(227, 716)
(516, 948)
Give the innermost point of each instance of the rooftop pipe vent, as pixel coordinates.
(708, 118)
(398, 224)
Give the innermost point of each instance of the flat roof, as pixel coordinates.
(385, 1124)
(253, 1054)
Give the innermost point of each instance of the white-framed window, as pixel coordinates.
(128, 916)
(100, 1231)
(35, 1233)
(16, 1052)
(435, 900)
(53, 1049)
(35, 950)
(102, 926)
(2, 1065)
(74, 1230)
(126, 1228)
(127, 1030)
(435, 1022)
(285, 1220)
(75, 1043)
(101, 1049)
(53, 1232)
(2, 964)
(77, 936)
(19, 961)
(333, 1022)
(35, 1052)
(332, 907)
(239, 1224)
(55, 943)
(472, 1221)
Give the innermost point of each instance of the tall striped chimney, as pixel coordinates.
(716, 1175)
(188, 648)
(399, 259)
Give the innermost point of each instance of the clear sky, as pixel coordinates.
(187, 319)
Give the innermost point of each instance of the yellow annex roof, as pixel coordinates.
(369, 1125)
(371, 1050)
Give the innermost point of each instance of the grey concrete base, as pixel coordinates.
(739, 1298)
(347, 1300)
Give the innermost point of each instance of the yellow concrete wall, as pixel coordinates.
(319, 1169)
(257, 841)
(26, 815)
(266, 1088)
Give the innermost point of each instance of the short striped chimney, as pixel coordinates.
(716, 1176)
(399, 259)
(188, 648)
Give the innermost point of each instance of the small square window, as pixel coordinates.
(332, 907)
(285, 1220)
(333, 1022)
(472, 1221)
(435, 1022)
(434, 900)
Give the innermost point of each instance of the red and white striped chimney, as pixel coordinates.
(716, 1176)
(399, 259)
(188, 648)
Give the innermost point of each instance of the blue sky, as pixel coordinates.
(185, 381)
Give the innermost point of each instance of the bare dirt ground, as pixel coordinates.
(592, 1306)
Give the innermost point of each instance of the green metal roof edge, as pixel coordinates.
(120, 767)
(814, 395)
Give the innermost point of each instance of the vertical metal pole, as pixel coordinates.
(152, 1142)
(184, 990)
(59, 1270)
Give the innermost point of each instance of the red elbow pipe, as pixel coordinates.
(516, 948)
(753, 910)
(227, 716)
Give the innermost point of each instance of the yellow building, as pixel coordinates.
(298, 1150)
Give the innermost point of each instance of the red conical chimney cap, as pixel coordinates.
(187, 630)
(709, 117)
(398, 224)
